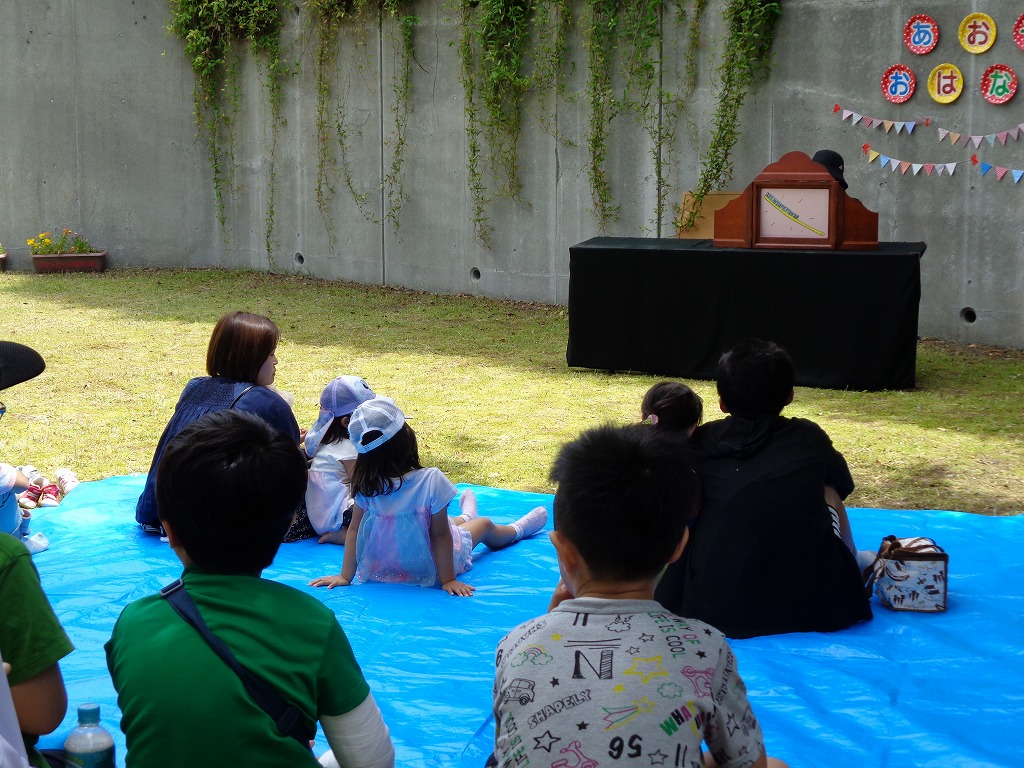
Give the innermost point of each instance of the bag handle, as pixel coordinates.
(286, 716)
(240, 396)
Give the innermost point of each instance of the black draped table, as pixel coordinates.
(671, 307)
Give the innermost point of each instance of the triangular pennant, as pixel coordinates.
(1021, 126)
(977, 141)
(888, 125)
(954, 137)
(1000, 172)
(991, 139)
(846, 114)
(1014, 132)
(917, 168)
(911, 127)
(939, 169)
(856, 118)
(950, 167)
(903, 166)
(943, 133)
(885, 160)
(872, 155)
(1017, 175)
(928, 168)
(868, 121)
(894, 164)
(899, 126)
(985, 168)
(1002, 136)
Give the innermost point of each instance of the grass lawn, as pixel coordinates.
(484, 382)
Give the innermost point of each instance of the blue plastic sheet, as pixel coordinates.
(902, 690)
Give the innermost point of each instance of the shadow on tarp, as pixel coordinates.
(903, 690)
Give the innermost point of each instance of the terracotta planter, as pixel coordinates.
(70, 262)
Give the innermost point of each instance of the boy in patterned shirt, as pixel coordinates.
(608, 675)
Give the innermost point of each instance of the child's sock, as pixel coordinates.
(37, 542)
(467, 506)
(529, 524)
(24, 528)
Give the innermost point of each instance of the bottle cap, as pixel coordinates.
(88, 714)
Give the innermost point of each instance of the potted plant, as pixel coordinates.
(70, 252)
(3, 258)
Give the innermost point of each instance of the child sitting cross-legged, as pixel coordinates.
(608, 676)
(227, 489)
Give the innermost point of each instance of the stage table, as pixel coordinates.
(671, 307)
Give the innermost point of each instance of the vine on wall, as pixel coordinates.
(210, 29)
(509, 50)
(327, 18)
(751, 30)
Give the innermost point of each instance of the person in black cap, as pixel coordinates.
(18, 363)
(833, 161)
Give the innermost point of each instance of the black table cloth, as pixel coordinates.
(671, 307)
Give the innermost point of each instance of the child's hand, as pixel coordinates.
(330, 582)
(458, 588)
(7, 668)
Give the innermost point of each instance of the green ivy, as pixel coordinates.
(209, 29)
(751, 30)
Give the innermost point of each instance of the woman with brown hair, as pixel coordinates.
(241, 363)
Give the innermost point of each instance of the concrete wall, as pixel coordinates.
(98, 134)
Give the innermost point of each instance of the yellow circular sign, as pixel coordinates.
(945, 83)
(977, 32)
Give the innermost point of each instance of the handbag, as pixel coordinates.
(909, 574)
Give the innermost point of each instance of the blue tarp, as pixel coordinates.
(902, 690)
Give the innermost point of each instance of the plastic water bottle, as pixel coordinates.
(90, 745)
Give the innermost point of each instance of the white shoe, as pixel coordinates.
(66, 480)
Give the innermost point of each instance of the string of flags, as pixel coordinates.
(895, 164)
(938, 169)
(903, 166)
(879, 123)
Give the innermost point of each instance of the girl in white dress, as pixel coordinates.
(400, 529)
(328, 500)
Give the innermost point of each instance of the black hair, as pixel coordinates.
(228, 485)
(337, 432)
(378, 472)
(676, 405)
(755, 378)
(625, 498)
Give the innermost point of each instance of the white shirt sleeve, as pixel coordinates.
(358, 739)
(8, 477)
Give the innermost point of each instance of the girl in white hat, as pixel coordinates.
(328, 501)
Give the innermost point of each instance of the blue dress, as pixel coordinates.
(204, 395)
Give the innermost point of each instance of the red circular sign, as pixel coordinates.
(1018, 31)
(921, 34)
(898, 83)
(998, 84)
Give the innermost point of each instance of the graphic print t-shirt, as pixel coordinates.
(620, 683)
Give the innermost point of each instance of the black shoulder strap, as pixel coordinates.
(287, 717)
(239, 397)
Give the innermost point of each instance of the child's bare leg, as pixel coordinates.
(496, 536)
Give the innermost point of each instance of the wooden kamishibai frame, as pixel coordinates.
(795, 203)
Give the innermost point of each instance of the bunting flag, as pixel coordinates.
(955, 138)
(895, 164)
